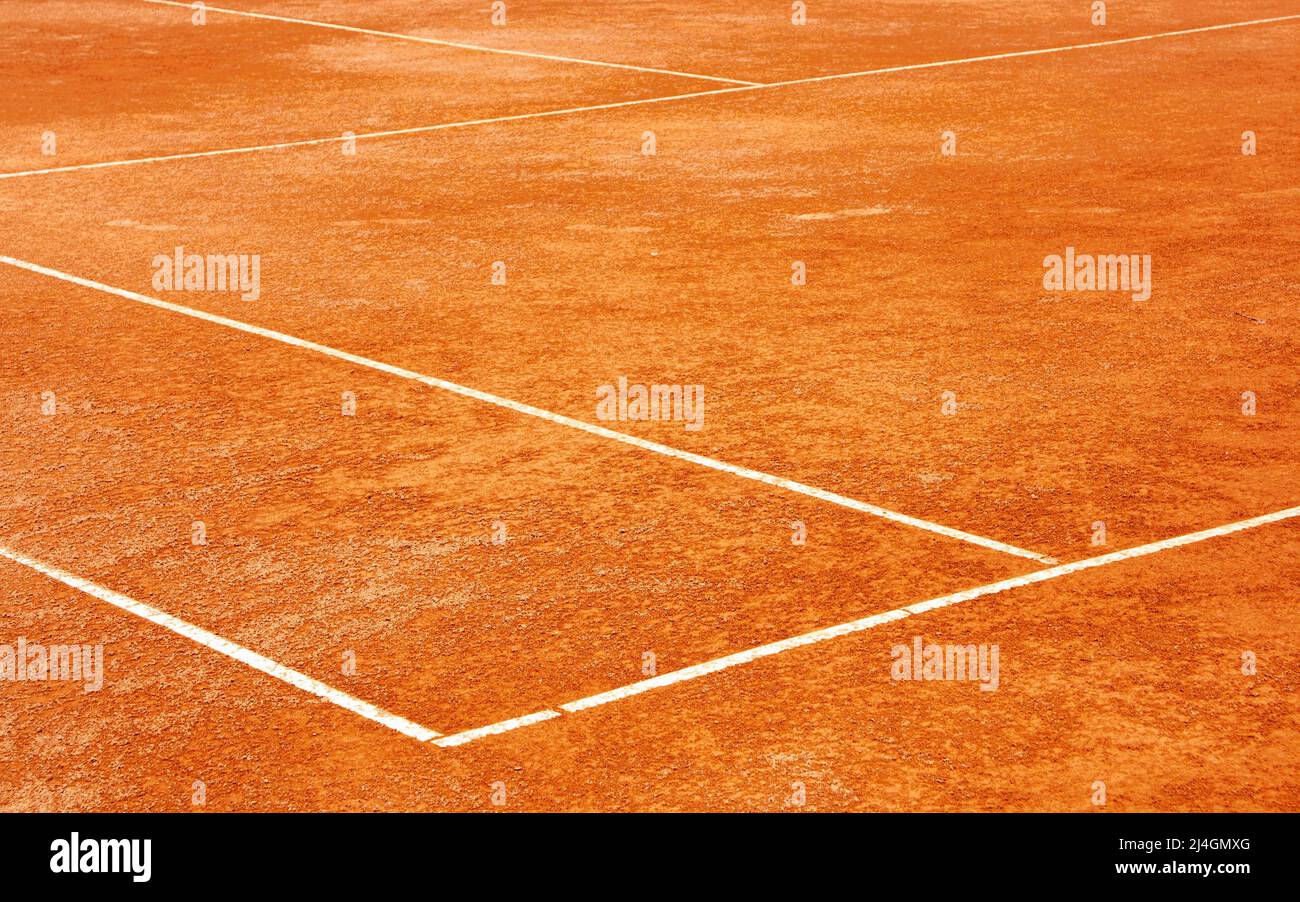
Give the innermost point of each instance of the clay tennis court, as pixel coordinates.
(432, 576)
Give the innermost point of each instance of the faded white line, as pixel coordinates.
(422, 129)
(492, 729)
(559, 419)
(482, 48)
(854, 626)
(1014, 54)
(226, 647)
(390, 133)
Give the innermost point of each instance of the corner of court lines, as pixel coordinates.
(731, 86)
(855, 626)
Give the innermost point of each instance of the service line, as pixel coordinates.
(528, 410)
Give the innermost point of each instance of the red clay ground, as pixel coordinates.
(924, 275)
(117, 79)
(1129, 675)
(372, 534)
(756, 41)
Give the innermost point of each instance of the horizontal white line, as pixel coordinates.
(422, 129)
(833, 632)
(529, 410)
(443, 43)
(226, 647)
(492, 729)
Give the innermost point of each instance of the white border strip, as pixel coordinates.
(422, 129)
(442, 43)
(529, 410)
(866, 623)
(226, 647)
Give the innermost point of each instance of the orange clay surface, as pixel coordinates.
(371, 536)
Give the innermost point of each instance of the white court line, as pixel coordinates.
(492, 729)
(518, 407)
(1014, 54)
(390, 133)
(833, 632)
(226, 647)
(421, 129)
(443, 43)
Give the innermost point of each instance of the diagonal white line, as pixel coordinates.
(226, 647)
(389, 133)
(422, 129)
(527, 409)
(443, 43)
(833, 632)
(1015, 54)
(492, 729)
